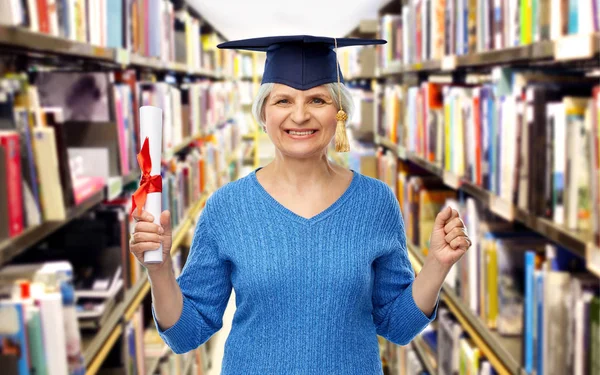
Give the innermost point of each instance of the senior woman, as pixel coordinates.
(316, 253)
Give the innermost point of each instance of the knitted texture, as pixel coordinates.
(311, 294)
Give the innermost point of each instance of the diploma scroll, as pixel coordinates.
(151, 129)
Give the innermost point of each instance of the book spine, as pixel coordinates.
(11, 146)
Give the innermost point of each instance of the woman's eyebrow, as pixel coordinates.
(321, 95)
(279, 96)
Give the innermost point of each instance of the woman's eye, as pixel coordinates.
(282, 101)
(318, 101)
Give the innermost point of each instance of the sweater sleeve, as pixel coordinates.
(396, 315)
(205, 284)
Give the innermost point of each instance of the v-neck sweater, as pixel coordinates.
(311, 294)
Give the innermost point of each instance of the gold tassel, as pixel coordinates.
(341, 138)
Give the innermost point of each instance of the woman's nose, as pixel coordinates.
(300, 114)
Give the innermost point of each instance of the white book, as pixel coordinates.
(585, 12)
(558, 16)
(473, 254)
(12, 13)
(72, 12)
(405, 34)
(177, 125)
(55, 342)
(556, 291)
(33, 15)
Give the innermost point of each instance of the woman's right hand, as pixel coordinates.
(148, 236)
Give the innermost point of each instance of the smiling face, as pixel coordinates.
(300, 123)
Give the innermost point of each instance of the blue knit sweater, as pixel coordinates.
(311, 294)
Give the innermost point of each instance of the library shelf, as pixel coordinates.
(428, 361)
(382, 141)
(575, 241)
(185, 143)
(567, 48)
(11, 247)
(35, 43)
(504, 353)
(23, 39)
(96, 350)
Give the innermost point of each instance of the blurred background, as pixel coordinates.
(489, 106)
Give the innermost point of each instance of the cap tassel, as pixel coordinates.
(341, 138)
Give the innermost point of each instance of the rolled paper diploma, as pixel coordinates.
(151, 127)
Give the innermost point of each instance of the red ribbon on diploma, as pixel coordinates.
(148, 184)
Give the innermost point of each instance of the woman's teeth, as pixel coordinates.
(301, 133)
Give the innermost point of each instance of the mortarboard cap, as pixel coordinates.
(299, 61)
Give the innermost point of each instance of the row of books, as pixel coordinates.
(66, 135)
(168, 363)
(513, 136)
(431, 29)
(513, 280)
(151, 28)
(444, 344)
(83, 270)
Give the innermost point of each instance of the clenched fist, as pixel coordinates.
(148, 236)
(449, 239)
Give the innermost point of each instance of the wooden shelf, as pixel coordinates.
(98, 348)
(429, 362)
(25, 41)
(503, 353)
(582, 47)
(185, 143)
(574, 241)
(11, 247)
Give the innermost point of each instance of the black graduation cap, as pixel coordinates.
(299, 61)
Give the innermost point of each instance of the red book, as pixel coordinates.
(43, 16)
(12, 154)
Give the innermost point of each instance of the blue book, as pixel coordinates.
(114, 18)
(529, 330)
(573, 27)
(430, 338)
(13, 338)
(498, 145)
(485, 130)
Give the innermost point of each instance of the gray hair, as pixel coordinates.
(266, 88)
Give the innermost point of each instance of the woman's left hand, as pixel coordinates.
(449, 240)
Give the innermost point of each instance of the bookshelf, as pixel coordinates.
(96, 350)
(428, 361)
(503, 353)
(582, 48)
(34, 44)
(11, 247)
(577, 242)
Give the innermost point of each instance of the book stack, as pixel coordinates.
(48, 162)
(520, 132)
(39, 325)
(431, 29)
